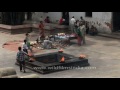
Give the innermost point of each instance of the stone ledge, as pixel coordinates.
(11, 76)
(27, 27)
(10, 72)
(7, 72)
(31, 76)
(114, 36)
(15, 27)
(31, 26)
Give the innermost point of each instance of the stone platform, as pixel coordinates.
(50, 62)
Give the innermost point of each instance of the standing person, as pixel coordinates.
(27, 37)
(72, 23)
(28, 41)
(42, 31)
(75, 26)
(82, 20)
(77, 23)
(83, 31)
(21, 59)
(25, 47)
(78, 32)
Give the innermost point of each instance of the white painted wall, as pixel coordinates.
(100, 17)
(97, 17)
(54, 16)
(37, 15)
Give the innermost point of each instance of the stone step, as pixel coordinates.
(5, 31)
(115, 36)
(116, 33)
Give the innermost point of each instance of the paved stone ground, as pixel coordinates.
(103, 54)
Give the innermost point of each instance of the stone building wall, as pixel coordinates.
(102, 20)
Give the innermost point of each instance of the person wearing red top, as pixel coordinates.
(42, 31)
(61, 21)
(47, 20)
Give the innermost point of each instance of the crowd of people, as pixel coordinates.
(23, 54)
(81, 28)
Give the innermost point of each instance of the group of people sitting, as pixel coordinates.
(93, 31)
(62, 21)
(47, 19)
(46, 43)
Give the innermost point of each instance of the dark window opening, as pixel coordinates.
(116, 21)
(88, 14)
(65, 15)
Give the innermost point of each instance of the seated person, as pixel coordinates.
(62, 21)
(38, 40)
(93, 31)
(47, 44)
(47, 20)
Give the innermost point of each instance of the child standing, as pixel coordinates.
(25, 47)
(28, 42)
(21, 59)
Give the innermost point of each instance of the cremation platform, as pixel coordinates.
(50, 62)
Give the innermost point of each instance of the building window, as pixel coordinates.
(88, 14)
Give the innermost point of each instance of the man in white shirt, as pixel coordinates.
(72, 23)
